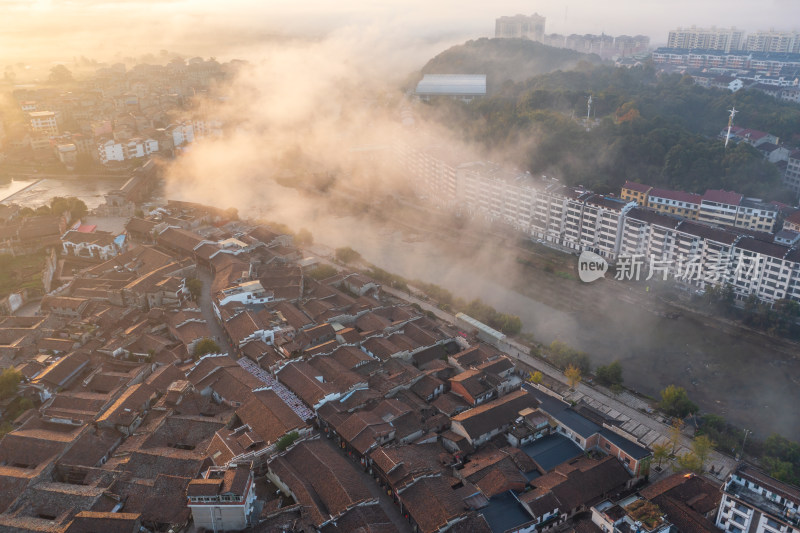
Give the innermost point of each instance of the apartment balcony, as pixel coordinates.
(763, 504)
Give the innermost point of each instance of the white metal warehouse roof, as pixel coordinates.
(453, 84)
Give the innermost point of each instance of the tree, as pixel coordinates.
(195, 288)
(690, 461)
(205, 347)
(675, 433)
(347, 255)
(60, 74)
(573, 374)
(75, 207)
(536, 377)
(322, 271)
(696, 459)
(661, 452)
(675, 402)
(304, 237)
(564, 355)
(9, 382)
(610, 375)
(286, 441)
(232, 213)
(701, 447)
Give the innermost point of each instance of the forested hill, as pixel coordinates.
(505, 59)
(651, 128)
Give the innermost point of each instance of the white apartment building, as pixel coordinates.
(773, 41)
(694, 38)
(44, 122)
(134, 148)
(223, 499)
(206, 128)
(753, 502)
(111, 150)
(248, 293)
(520, 27)
(181, 133)
(697, 253)
(98, 245)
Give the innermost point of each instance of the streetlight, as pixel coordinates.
(744, 440)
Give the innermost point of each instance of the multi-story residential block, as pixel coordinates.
(223, 499)
(135, 148)
(694, 38)
(761, 62)
(773, 41)
(683, 204)
(181, 133)
(714, 207)
(635, 192)
(682, 236)
(520, 27)
(756, 215)
(754, 502)
(792, 222)
(719, 207)
(791, 177)
(111, 150)
(44, 122)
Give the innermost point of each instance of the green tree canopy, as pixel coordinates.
(205, 347)
(60, 74)
(195, 288)
(675, 402)
(610, 374)
(9, 382)
(286, 441)
(322, 271)
(347, 255)
(304, 237)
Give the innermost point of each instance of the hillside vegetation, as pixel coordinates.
(505, 60)
(652, 128)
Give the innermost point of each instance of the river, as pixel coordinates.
(34, 192)
(741, 378)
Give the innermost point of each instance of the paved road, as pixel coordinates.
(624, 407)
(208, 311)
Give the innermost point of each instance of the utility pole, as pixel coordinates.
(744, 440)
(730, 124)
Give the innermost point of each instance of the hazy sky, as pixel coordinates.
(61, 29)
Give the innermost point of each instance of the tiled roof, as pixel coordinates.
(679, 196)
(321, 479)
(482, 419)
(722, 197)
(432, 503)
(107, 522)
(638, 187)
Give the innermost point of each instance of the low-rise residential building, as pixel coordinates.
(44, 122)
(678, 203)
(635, 192)
(483, 422)
(95, 245)
(223, 499)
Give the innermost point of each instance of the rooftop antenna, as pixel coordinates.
(733, 112)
